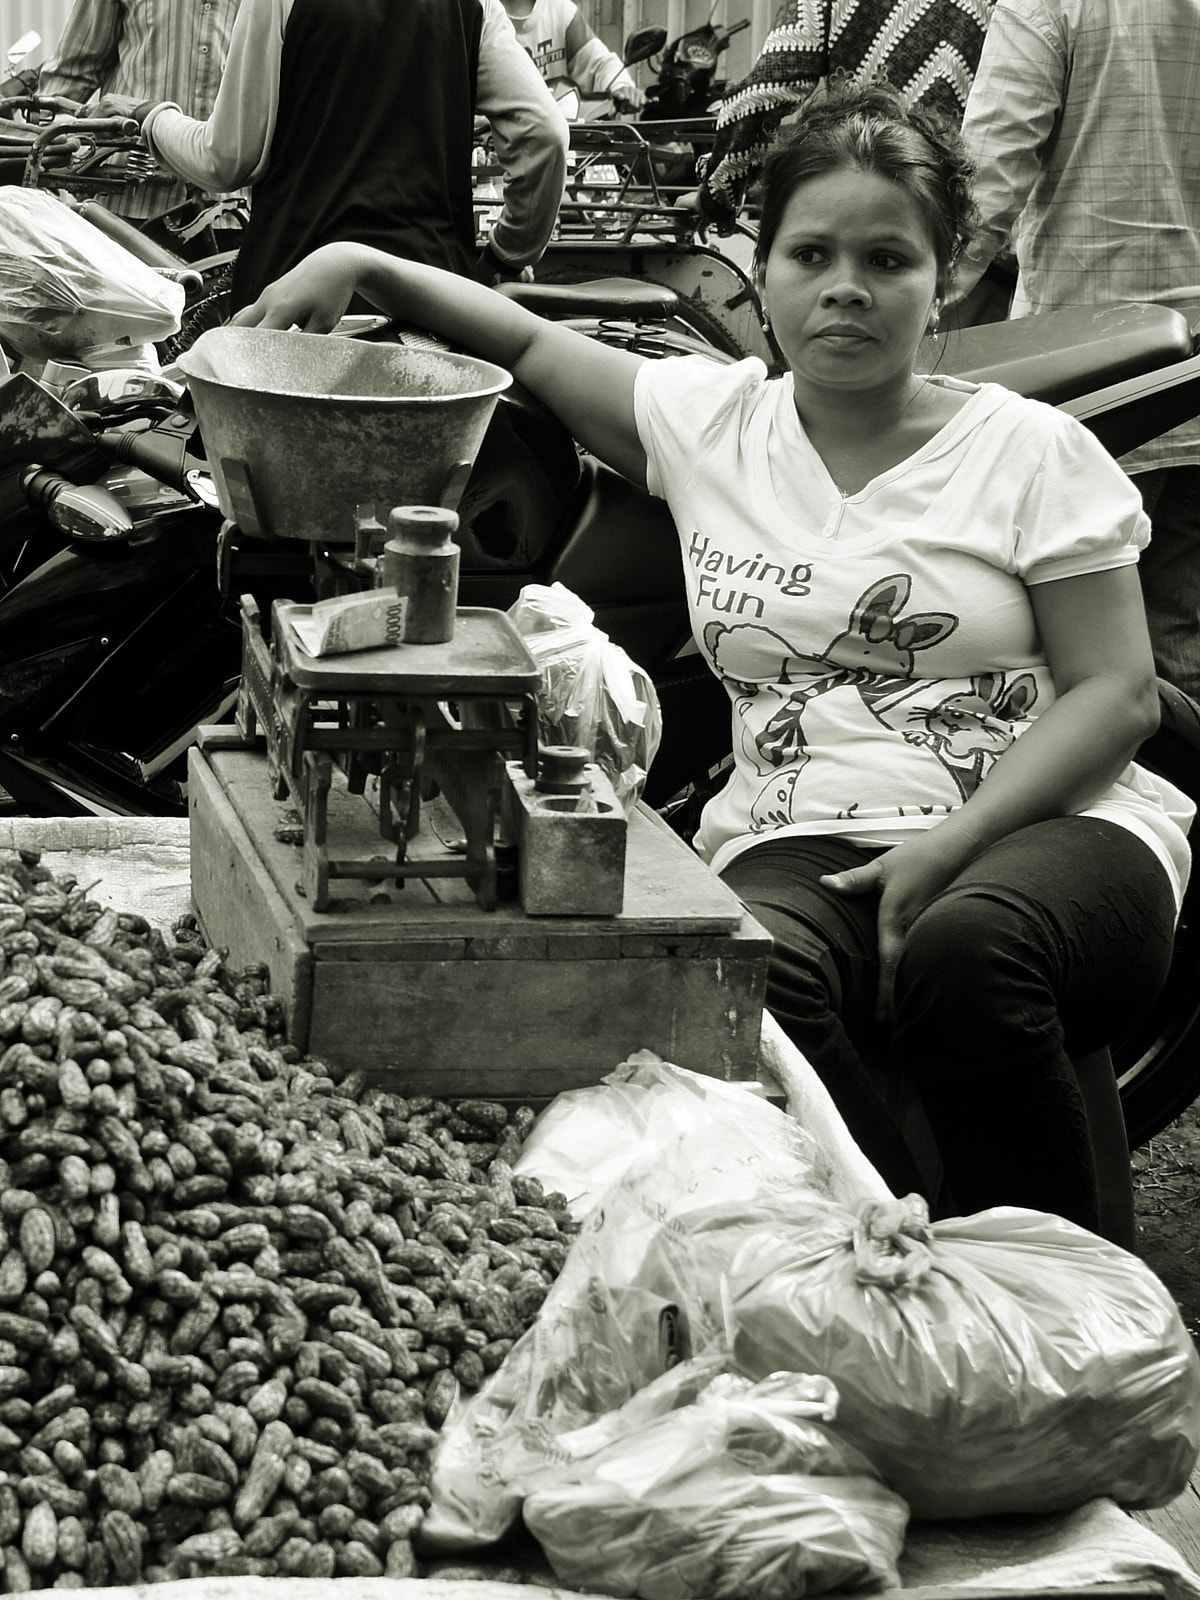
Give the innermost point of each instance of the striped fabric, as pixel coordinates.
(926, 49)
(148, 49)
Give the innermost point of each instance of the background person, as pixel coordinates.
(556, 36)
(1083, 126)
(920, 595)
(129, 52)
(926, 52)
(354, 119)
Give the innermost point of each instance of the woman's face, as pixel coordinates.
(849, 282)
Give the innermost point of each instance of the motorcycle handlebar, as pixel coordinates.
(136, 242)
(101, 128)
(54, 104)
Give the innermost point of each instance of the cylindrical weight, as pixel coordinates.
(420, 560)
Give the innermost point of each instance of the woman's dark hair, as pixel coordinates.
(869, 128)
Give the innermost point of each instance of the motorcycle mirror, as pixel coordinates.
(25, 45)
(642, 44)
(36, 426)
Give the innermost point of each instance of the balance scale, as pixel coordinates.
(438, 900)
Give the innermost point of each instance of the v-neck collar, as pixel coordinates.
(793, 436)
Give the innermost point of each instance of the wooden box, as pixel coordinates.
(432, 995)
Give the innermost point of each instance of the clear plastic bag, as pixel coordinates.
(588, 1139)
(66, 288)
(1000, 1363)
(603, 1333)
(710, 1485)
(592, 694)
(632, 1297)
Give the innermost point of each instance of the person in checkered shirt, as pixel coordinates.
(1082, 122)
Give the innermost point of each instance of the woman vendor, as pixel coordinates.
(921, 596)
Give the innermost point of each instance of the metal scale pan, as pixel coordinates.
(302, 428)
(302, 432)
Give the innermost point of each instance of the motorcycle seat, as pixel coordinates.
(606, 297)
(1057, 356)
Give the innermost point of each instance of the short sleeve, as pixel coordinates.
(681, 402)
(1079, 513)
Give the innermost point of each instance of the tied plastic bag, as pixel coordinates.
(631, 1298)
(67, 289)
(1008, 1362)
(710, 1485)
(592, 693)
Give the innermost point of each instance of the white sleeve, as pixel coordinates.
(679, 401)
(1080, 513)
(530, 135)
(598, 70)
(233, 146)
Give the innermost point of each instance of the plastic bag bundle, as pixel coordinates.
(66, 288)
(1005, 1362)
(592, 693)
(601, 1335)
(710, 1485)
(631, 1299)
(588, 1139)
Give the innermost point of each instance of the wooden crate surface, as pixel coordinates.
(1179, 1523)
(668, 889)
(429, 994)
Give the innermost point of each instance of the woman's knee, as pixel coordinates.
(971, 938)
(802, 970)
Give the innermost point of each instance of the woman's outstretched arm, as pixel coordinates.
(589, 386)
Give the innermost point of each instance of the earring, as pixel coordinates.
(935, 315)
(765, 320)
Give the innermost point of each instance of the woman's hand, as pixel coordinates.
(313, 296)
(906, 879)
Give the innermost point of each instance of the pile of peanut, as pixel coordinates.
(238, 1290)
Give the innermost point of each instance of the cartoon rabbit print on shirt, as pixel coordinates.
(875, 656)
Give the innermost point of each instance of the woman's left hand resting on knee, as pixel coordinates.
(1093, 630)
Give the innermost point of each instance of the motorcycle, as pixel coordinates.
(620, 219)
(686, 68)
(674, 127)
(114, 648)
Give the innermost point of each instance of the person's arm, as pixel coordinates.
(530, 135)
(589, 386)
(1011, 113)
(233, 146)
(87, 52)
(1093, 632)
(594, 68)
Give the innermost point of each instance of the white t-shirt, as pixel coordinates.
(879, 649)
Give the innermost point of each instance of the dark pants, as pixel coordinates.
(1169, 570)
(1047, 947)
